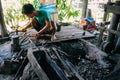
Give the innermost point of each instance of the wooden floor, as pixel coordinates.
(66, 33)
(71, 32)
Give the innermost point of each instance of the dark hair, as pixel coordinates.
(27, 8)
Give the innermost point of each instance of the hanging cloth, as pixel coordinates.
(51, 8)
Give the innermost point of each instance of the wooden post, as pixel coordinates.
(103, 25)
(84, 9)
(117, 46)
(89, 13)
(105, 13)
(2, 24)
(113, 25)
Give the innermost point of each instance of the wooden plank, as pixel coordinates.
(55, 67)
(72, 32)
(67, 32)
(5, 39)
(35, 66)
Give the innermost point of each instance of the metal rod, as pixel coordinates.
(21, 66)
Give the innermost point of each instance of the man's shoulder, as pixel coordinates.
(44, 13)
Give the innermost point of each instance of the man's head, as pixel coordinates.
(28, 9)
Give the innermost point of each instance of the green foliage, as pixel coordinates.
(36, 3)
(66, 11)
(13, 15)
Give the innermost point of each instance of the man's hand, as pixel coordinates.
(23, 30)
(36, 35)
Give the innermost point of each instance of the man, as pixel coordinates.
(41, 21)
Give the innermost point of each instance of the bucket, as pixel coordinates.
(15, 39)
(15, 42)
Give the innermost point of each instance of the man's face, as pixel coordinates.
(30, 15)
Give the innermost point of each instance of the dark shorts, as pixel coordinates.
(38, 27)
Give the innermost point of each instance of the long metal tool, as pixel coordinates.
(68, 66)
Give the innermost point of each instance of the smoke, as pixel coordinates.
(96, 54)
(5, 50)
(6, 47)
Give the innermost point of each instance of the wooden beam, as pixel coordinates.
(114, 21)
(111, 8)
(84, 9)
(3, 28)
(35, 66)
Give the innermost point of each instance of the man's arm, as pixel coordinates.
(28, 25)
(46, 27)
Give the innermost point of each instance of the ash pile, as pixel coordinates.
(73, 59)
(70, 56)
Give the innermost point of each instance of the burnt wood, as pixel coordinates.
(35, 66)
(68, 66)
(55, 67)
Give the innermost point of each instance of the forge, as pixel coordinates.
(64, 59)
